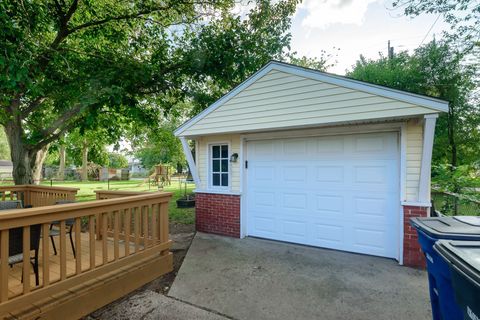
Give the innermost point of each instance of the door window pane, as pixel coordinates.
(216, 179)
(224, 165)
(225, 179)
(216, 165)
(224, 151)
(216, 152)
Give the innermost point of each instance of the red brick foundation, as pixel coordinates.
(218, 213)
(412, 254)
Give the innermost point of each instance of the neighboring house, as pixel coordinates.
(136, 168)
(323, 160)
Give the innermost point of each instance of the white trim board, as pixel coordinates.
(191, 162)
(213, 191)
(435, 105)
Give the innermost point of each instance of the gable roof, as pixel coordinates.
(432, 105)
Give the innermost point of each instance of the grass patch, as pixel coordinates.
(86, 193)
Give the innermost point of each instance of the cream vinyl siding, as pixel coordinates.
(202, 159)
(414, 129)
(414, 142)
(283, 100)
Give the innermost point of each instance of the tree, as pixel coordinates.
(322, 63)
(64, 63)
(117, 160)
(435, 69)
(159, 146)
(89, 146)
(462, 15)
(62, 155)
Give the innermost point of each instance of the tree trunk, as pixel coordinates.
(27, 161)
(37, 164)
(84, 161)
(61, 168)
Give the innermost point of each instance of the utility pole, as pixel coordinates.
(390, 51)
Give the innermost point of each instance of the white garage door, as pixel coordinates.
(339, 192)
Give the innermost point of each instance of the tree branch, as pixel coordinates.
(59, 8)
(118, 18)
(69, 114)
(32, 106)
(54, 136)
(63, 31)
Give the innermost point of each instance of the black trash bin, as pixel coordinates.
(463, 258)
(429, 231)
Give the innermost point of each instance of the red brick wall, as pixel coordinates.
(412, 254)
(218, 213)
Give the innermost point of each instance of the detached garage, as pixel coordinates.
(302, 156)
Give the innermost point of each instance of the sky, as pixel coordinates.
(358, 27)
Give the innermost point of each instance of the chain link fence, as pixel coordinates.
(452, 204)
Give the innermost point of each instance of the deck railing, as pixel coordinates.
(37, 196)
(132, 228)
(114, 194)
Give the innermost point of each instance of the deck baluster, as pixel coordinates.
(78, 245)
(26, 259)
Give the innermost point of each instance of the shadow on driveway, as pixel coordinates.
(260, 279)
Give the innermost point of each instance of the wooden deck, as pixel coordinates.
(15, 284)
(121, 243)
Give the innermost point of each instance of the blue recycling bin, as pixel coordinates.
(463, 257)
(430, 230)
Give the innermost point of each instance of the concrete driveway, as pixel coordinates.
(261, 279)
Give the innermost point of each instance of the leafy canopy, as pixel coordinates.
(436, 69)
(64, 63)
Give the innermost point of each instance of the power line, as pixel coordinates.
(428, 32)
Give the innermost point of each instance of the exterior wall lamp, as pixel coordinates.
(234, 157)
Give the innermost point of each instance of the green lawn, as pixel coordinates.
(86, 193)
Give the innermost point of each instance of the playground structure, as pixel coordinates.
(162, 176)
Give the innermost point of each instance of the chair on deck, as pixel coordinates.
(11, 204)
(15, 240)
(69, 223)
(15, 247)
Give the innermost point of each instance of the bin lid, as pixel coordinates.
(454, 228)
(465, 255)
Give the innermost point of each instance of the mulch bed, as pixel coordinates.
(182, 235)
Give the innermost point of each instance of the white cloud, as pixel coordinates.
(323, 13)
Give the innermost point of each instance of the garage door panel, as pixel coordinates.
(338, 192)
(328, 234)
(329, 174)
(264, 199)
(295, 228)
(264, 225)
(330, 204)
(263, 173)
(295, 147)
(374, 240)
(262, 150)
(297, 201)
(296, 174)
(330, 146)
